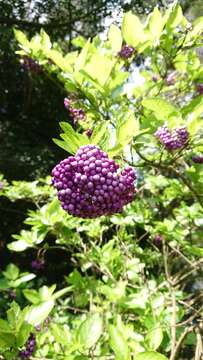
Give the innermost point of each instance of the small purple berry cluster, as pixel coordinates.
(198, 159)
(171, 78)
(172, 139)
(77, 114)
(200, 89)
(126, 52)
(31, 65)
(89, 185)
(37, 264)
(88, 133)
(158, 240)
(29, 347)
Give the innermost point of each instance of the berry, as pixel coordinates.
(126, 52)
(77, 114)
(30, 65)
(171, 78)
(172, 139)
(89, 184)
(155, 78)
(1, 185)
(29, 347)
(37, 264)
(198, 159)
(89, 132)
(199, 89)
(158, 240)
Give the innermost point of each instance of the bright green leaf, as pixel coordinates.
(90, 331)
(150, 355)
(118, 343)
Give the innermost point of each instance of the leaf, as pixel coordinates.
(12, 272)
(21, 38)
(100, 134)
(23, 279)
(154, 338)
(13, 314)
(99, 68)
(90, 331)
(163, 110)
(36, 314)
(32, 295)
(23, 334)
(132, 30)
(127, 129)
(72, 140)
(155, 24)
(45, 40)
(197, 27)
(19, 245)
(82, 57)
(115, 38)
(150, 355)
(4, 326)
(118, 343)
(59, 60)
(194, 109)
(175, 16)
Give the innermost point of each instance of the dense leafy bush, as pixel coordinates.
(132, 281)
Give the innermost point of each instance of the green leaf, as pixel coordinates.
(20, 245)
(59, 60)
(4, 326)
(192, 112)
(155, 24)
(115, 38)
(150, 355)
(175, 16)
(99, 68)
(100, 135)
(13, 314)
(72, 139)
(12, 272)
(23, 279)
(132, 30)
(82, 57)
(23, 334)
(32, 295)
(127, 128)
(90, 331)
(163, 110)
(45, 40)
(118, 343)
(154, 338)
(197, 27)
(22, 38)
(36, 314)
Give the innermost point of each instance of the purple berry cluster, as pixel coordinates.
(89, 184)
(29, 347)
(198, 159)
(37, 264)
(172, 139)
(77, 114)
(89, 132)
(171, 78)
(31, 65)
(200, 89)
(126, 52)
(158, 240)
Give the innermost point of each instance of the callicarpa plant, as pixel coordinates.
(123, 208)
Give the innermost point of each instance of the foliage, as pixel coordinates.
(131, 279)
